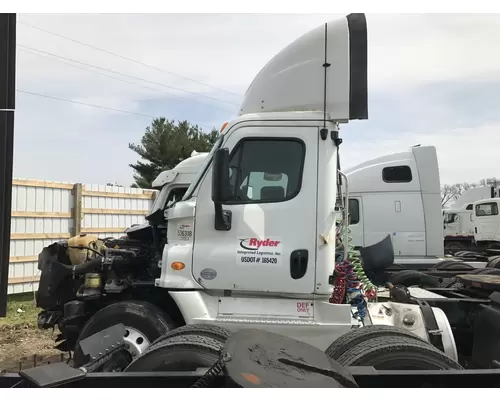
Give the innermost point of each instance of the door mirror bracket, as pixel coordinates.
(221, 189)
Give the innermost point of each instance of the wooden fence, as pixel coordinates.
(44, 212)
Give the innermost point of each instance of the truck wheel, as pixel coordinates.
(453, 247)
(356, 336)
(494, 262)
(448, 265)
(143, 321)
(179, 353)
(397, 353)
(208, 330)
(408, 278)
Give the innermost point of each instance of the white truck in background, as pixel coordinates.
(486, 223)
(396, 194)
(458, 219)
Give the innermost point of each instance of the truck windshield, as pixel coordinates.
(450, 218)
(167, 197)
(203, 168)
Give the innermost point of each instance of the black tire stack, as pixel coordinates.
(183, 349)
(388, 348)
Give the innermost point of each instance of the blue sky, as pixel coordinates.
(433, 80)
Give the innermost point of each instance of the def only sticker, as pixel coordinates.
(259, 251)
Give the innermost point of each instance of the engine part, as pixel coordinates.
(74, 308)
(92, 287)
(115, 286)
(399, 293)
(83, 248)
(397, 352)
(52, 293)
(258, 359)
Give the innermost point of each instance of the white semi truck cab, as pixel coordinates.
(486, 222)
(173, 184)
(252, 241)
(458, 219)
(398, 194)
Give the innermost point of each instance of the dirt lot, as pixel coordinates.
(19, 336)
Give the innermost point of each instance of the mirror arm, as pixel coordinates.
(222, 218)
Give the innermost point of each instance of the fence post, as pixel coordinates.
(77, 209)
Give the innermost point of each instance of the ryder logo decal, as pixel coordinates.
(256, 244)
(259, 251)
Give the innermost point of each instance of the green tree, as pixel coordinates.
(166, 143)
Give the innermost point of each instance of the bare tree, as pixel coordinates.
(489, 182)
(450, 193)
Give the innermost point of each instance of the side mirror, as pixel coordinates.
(221, 188)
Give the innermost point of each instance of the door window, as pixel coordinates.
(486, 209)
(353, 211)
(264, 170)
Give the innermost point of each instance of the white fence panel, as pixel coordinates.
(43, 212)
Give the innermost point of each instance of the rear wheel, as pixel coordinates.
(494, 262)
(397, 353)
(448, 265)
(454, 247)
(213, 331)
(359, 335)
(179, 353)
(412, 278)
(143, 323)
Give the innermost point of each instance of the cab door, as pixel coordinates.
(271, 245)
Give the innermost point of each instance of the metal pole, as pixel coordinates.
(346, 217)
(7, 106)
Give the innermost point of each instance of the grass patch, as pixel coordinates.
(24, 302)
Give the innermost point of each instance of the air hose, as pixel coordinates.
(351, 285)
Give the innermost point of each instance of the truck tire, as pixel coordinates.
(448, 265)
(453, 247)
(179, 353)
(409, 278)
(143, 321)
(397, 353)
(494, 262)
(356, 336)
(208, 330)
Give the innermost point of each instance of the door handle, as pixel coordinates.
(298, 263)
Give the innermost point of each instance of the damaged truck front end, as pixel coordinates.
(84, 274)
